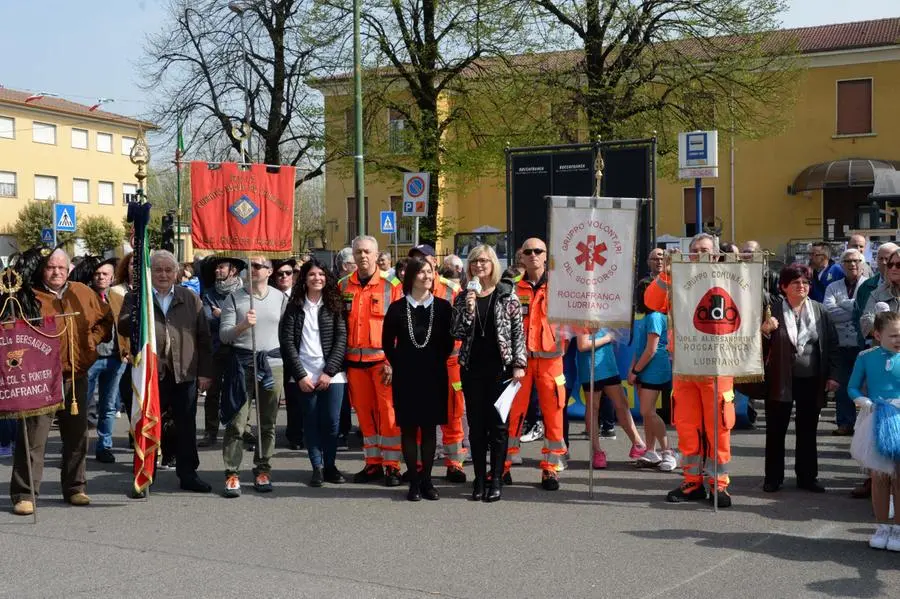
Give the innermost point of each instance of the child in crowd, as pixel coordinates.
(606, 380)
(651, 373)
(878, 369)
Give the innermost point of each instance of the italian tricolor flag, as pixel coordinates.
(145, 417)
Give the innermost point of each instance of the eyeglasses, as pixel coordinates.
(534, 251)
(258, 266)
(481, 261)
(285, 273)
(852, 261)
(893, 264)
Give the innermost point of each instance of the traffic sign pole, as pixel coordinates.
(698, 199)
(416, 233)
(55, 234)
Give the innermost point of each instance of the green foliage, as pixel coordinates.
(100, 234)
(33, 218)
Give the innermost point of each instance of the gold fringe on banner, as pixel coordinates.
(592, 325)
(51, 409)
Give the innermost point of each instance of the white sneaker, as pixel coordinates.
(535, 433)
(650, 459)
(667, 462)
(880, 539)
(516, 459)
(893, 543)
(564, 462)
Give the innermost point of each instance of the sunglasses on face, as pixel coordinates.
(285, 273)
(533, 251)
(893, 264)
(258, 266)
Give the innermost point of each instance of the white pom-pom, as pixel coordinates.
(882, 307)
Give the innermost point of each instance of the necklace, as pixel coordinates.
(482, 320)
(409, 326)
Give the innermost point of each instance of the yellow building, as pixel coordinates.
(53, 149)
(798, 184)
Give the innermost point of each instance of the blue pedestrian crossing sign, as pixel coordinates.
(64, 217)
(47, 236)
(388, 221)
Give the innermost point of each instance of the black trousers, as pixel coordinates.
(481, 390)
(806, 421)
(179, 437)
(221, 359)
(345, 423)
(294, 410)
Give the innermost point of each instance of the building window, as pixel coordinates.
(127, 144)
(45, 188)
(43, 133)
(80, 139)
(104, 142)
(81, 191)
(397, 136)
(405, 224)
(854, 107)
(128, 189)
(7, 127)
(7, 184)
(352, 220)
(690, 209)
(105, 193)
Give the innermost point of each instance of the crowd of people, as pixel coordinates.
(422, 352)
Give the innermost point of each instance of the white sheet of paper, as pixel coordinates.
(504, 404)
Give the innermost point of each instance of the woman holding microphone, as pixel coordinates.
(487, 318)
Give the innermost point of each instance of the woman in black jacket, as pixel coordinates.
(417, 342)
(801, 364)
(488, 320)
(313, 336)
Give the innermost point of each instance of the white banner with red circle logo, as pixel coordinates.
(717, 311)
(592, 263)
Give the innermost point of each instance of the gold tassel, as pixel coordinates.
(73, 408)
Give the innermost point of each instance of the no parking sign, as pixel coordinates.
(415, 193)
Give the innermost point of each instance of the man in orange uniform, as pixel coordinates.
(452, 433)
(367, 292)
(695, 407)
(545, 369)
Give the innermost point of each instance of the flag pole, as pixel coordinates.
(30, 473)
(178, 151)
(593, 421)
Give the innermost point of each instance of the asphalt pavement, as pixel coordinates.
(367, 541)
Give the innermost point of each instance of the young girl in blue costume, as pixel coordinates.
(606, 380)
(879, 370)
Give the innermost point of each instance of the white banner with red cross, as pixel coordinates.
(592, 262)
(717, 311)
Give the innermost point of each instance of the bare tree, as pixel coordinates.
(432, 67)
(195, 69)
(670, 65)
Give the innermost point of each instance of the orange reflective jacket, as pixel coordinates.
(540, 339)
(365, 307)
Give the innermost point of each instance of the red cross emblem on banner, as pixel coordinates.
(590, 253)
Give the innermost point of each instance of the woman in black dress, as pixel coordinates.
(417, 342)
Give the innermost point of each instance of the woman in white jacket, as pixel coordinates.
(840, 302)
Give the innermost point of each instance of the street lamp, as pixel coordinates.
(240, 8)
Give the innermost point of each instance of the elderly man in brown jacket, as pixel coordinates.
(184, 347)
(93, 325)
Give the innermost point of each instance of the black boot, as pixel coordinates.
(493, 493)
(415, 493)
(478, 488)
(428, 491)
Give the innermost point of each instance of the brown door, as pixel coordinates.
(844, 207)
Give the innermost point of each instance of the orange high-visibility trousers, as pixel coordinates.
(695, 409)
(375, 411)
(547, 375)
(452, 433)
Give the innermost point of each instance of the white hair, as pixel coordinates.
(160, 255)
(64, 254)
(361, 238)
(701, 237)
(344, 256)
(851, 253)
(454, 261)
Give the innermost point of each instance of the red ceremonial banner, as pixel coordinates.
(237, 209)
(31, 379)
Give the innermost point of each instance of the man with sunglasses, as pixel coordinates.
(544, 371)
(825, 271)
(246, 327)
(282, 277)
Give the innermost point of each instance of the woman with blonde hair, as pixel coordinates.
(487, 318)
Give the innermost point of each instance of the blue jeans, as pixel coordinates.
(7, 431)
(321, 415)
(108, 371)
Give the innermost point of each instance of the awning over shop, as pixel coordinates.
(842, 174)
(887, 183)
